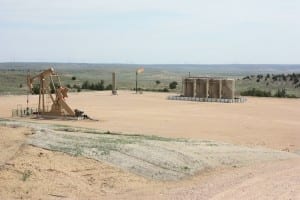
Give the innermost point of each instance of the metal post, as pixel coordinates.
(194, 87)
(114, 91)
(220, 89)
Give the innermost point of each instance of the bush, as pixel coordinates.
(36, 89)
(157, 90)
(73, 78)
(108, 87)
(246, 78)
(256, 92)
(96, 86)
(260, 93)
(173, 85)
(281, 93)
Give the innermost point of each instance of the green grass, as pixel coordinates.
(244, 85)
(26, 174)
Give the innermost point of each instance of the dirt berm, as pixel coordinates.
(150, 156)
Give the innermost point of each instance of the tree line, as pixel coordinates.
(261, 93)
(294, 78)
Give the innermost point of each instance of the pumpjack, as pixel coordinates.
(50, 87)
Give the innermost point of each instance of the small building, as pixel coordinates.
(208, 87)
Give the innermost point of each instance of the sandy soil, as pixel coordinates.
(270, 122)
(28, 172)
(34, 173)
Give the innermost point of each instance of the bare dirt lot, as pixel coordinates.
(270, 122)
(266, 125)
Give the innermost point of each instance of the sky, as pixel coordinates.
(151, 31)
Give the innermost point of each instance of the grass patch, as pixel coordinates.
(26, 174)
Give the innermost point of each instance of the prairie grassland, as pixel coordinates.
(13, 80)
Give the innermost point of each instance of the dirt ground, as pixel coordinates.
(35, 173)
(270, 122)
(28, 172)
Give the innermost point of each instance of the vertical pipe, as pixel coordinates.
(207, 88)
(40, 93)
(233, 88)
(194, 87)
(43, 92)
(220, 89)
(114, 83)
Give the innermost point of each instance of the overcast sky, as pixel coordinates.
(151, 31)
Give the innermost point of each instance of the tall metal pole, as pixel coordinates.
(27, 102)
(114, 90)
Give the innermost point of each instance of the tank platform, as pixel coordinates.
(218, 100)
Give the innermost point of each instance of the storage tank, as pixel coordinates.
(215, 88)
(202, 88)
(228, 88)
(189, 88)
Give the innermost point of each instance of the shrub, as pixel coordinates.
(96, 86)
(173, 85)
(108, 87)
(280, 93)
(256, 92)
(36, 89)
(26, 174)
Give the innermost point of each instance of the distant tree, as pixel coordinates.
(165, 90)
(281, 93)
(256, 92)
(73, 78)
(157, 82)
(36, 89)
(93, 86)
(267, 77)
(283, 77)
(173, 85)
(260, 76)
(21, 85)
(246, 78)
(296, 80)
(108, 87)
(85, 85)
